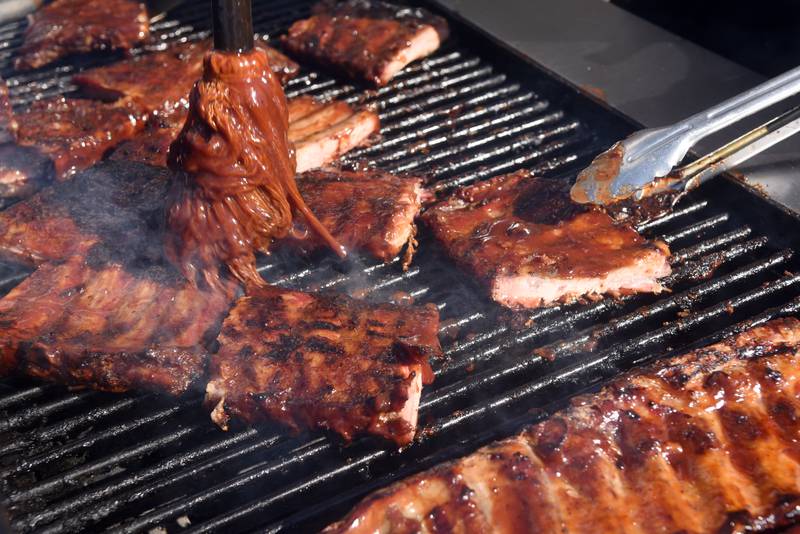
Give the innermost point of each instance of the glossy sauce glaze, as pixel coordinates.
(518, 224)
(235, 190)
(703, 442)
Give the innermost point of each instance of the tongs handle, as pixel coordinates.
(730, 155)
(713, 119)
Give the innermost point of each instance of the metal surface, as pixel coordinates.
(81, 460)
(645, 72)
(643, 163)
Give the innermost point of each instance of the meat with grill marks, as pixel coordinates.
(532, 246)
(65, 27)
(700, 443)
(57, 137)
(366, 39)
(161, 80)
(114, 203)
(323, 361)
(370, 211)
(76, 133)
(111, 322)
(320, 132)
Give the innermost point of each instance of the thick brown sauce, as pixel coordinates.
(235, 192)
(602, 172)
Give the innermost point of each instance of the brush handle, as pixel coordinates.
(233, 25)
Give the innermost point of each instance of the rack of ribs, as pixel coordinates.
(532, 246)
(370, 211)
(323, 361)
(109, 324)
(66, 27)
(366, 39)
(704, 442)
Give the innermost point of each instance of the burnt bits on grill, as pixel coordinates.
(364, 39)
(161, 81)
(109, 324)
(704, 442)
(120, 204)
(66, 27)
(370, 211)
(323, 361)
(532, 246)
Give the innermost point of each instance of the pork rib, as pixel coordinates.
(370, 211)
(161, 80)
(524, 239)
(705, 442)
(320, 132)
(115, 203)
(99, 323)
(366, 39)
(66, 27)
(323, 361)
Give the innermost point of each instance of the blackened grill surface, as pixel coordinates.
(80, 460)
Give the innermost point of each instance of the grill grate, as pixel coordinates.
(73, 461)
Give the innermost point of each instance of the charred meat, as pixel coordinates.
(705, 442)
(323, 131)
(369, 211)
(76, 133)
(161, 81)
(119, 204)
(323, 361)
(66, 27)
(366, 39)
(532, 246)
(99, 323)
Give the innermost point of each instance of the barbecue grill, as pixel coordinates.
(82, 460)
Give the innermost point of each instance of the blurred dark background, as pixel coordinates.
(763, 35)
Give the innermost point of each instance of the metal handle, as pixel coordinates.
(233, 25)
(700, 125)
(745, 104)
(741, 149)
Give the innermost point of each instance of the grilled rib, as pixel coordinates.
(323, 131)
(366, 39)
(370, 211)
(161, 81)
(323, 361)
(76, 133)
(704, 442)
(320, 132)
(114, 203)
(109, 324)
(531, 246)
(66, 27)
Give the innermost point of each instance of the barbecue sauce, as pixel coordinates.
(235, 190)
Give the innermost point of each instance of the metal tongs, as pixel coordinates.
(643, 164)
